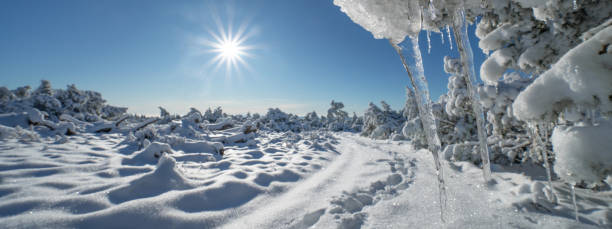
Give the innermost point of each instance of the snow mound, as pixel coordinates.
(582, 77)
(17, 133)
(200, 146)
(149, 155)
(584, 153)
(166, 177)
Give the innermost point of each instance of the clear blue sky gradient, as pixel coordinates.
(143, 54)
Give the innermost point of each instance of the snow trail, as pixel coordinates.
(307, 202)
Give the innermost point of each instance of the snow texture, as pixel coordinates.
(580, 78)
(583, 153)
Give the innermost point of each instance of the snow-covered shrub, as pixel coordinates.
(413, 127)
(22, 92)
(212, 116)
(165, 116)
(84, 105)
(337, 118)
(277, 120)
(381, 124)
(312, 121)
(193, 118)
(6, 95)
(356, 123)
(17, 132)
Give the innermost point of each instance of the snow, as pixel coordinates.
(68, 160)
(583, 152)
(310, 179)
(580, 78)
(392, 20)
(494, 67)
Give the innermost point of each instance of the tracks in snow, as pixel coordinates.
(335, 196)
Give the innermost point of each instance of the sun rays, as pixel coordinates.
(230, 48)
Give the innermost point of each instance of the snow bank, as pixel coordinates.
(582, 77)
(149, 155)
(166, 177)
(200, 146)
(584, 153)
(222, 124)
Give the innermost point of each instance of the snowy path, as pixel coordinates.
(356, 167)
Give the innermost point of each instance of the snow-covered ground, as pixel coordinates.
(285, 180)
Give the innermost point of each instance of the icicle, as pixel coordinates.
(541, 146)
(573, 189)
(575, 5)
(442, 36)
(428, 42)
(450, 39)
(432, 10)
(416, 73)
(467, 60)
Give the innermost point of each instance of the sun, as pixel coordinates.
(230, 49)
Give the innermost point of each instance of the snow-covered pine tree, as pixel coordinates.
(336, 117)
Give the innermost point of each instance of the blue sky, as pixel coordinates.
(143, 54)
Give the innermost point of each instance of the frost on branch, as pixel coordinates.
(529, 36)
(577, 90)
(580, 78)
(457, 123)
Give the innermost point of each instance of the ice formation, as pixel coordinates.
(416, 73)
(467, 59)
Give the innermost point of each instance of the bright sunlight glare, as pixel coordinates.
(230, 48)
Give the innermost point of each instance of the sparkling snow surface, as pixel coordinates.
(286, 181)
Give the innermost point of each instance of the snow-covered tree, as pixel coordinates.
(356, 123)
(381, 124)
(6, 95)
(277, 120)
(81, 104)
(312, 121)
(212, 116)
(44, 88)
(163, 112)
(22, 92)
(336, 117)
(194, 115)
(576, 91)
(412, 128)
